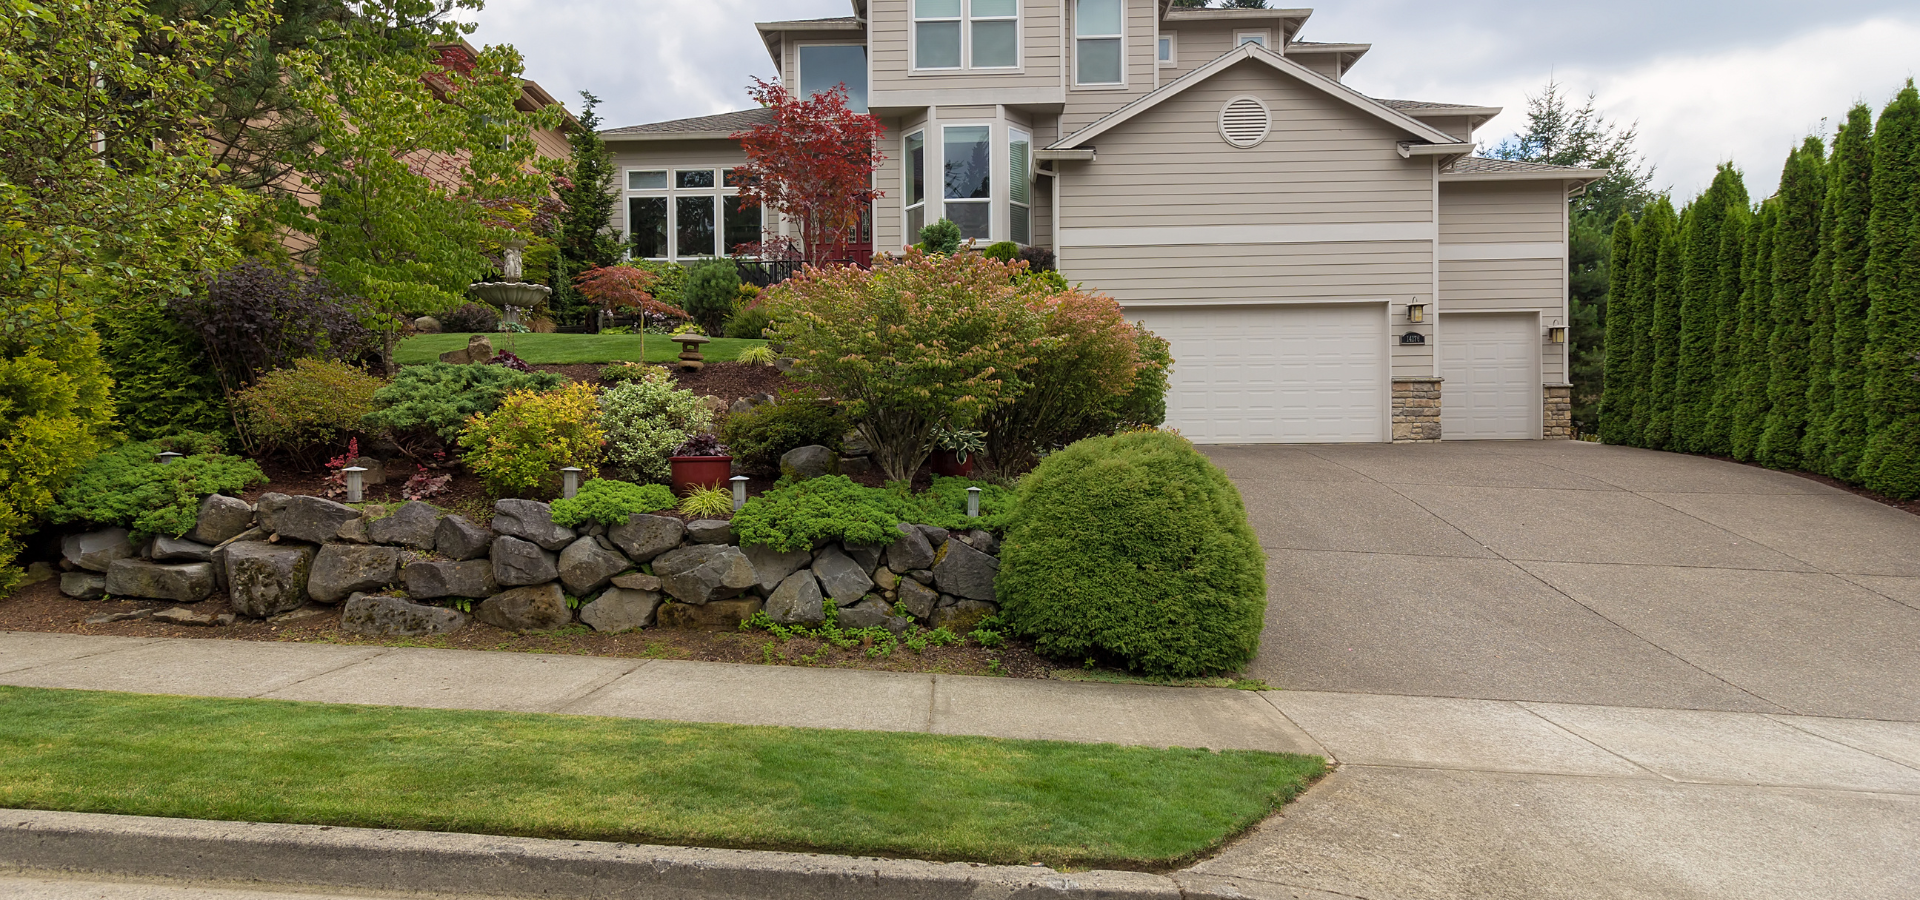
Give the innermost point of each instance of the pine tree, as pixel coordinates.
(1728, 286)
(589, 193)
(1663, 330)
(1891, 463)
(1836, 399)
(1617, 398)
(1802, 198)
(1700, 311)
(1757, 329)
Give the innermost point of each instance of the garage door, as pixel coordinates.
(1491, 364)
(1275, 374)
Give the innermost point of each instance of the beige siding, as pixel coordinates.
(887, 218)
(1499, 213)
(1327, 64)
(1200, 43)
(890, 52)
(1522, 221)
(551, 143)
(1453, 125)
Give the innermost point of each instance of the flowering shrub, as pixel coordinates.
(309, 405)
(610, 503)
(425, 483)
(519, 447)
(646, 418)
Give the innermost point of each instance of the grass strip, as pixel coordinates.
(569, 349)
(573, 777)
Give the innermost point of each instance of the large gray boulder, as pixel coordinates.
(221, 518)
(95, 551)
(983, 541)
(267, 579)
(397, 617)
(644, 537)
(703, 573)
(585, 566)
(413, 525)
(179, 582)
(83, 585)
(722, 615)
(909, 551)
(620, 609)
(965, 572)
(918, 598)
(638, 581)
(517, 563)
(710, 531)
(166, 549)
(341, 570)
(266, 510)
(812, 461)
(314, 520)
(540, 608)
(797, 601)
(431, 580)
(963, 616)
(458, 539)
(840, 577)
(771, 567)
(530, 520)
(871, 613)
(868, 558)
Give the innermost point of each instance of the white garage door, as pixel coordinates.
(1276, 374)
(1491, 364)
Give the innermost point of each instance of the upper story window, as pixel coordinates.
(1169, 52)
(1250, 37)
(824, 67)
(966, 34)
(1099, 42)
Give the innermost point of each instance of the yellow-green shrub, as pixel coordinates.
(518, 447)
(55, 414)
(307, 406)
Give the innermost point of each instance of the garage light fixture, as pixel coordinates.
(1416, 313)
(1557, 334)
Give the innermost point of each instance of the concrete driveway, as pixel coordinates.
(1570, 572)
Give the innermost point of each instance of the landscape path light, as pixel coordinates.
(739, 492)
(167, 457)
(570, 482)
(356, 485)
(973, 503)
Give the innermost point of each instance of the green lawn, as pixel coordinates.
(566, 349)
(911, 795)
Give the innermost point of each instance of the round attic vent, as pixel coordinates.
(1245, 122)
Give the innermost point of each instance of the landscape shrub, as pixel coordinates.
(910, 346)
(425, 407)
(471, 318)
(669, 281)
(308, 406)
(750, 323)
(829, 508)
(1134, 549)
(1005, 251)
(712, 293)
(161, 380)
(942, 237)
(627, 371)
(1038, 259)
(645, 419)
(125, 487)
(761, 435)
(520, 447)
(257, 318)
(55, 414)
(611, 502)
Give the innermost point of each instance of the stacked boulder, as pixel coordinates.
(278, 555)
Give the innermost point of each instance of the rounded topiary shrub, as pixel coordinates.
(1135, 549)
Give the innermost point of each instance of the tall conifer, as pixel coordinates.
(1801, 200)
(1751, 402)
(1845, 433)
(1891, 463)
(1623, 310)
(1655, 231)
(1693, 387)
(1665, 328)
(1728, 376)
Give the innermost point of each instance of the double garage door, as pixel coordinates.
(1306, 374)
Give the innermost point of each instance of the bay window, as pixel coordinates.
(1099, 45)
(968, 151)
(966, 34)
(916, 186)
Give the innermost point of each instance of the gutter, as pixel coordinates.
(1083, 154)
(1409, 149)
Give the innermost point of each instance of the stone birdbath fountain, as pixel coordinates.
(512, 295)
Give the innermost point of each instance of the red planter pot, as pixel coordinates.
(690, 472)
(947, 462)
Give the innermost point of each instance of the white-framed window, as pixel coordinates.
(826, 66)
(687, 213)
(1251, 37)
(1168, 53)
(1019, 186)
(914, 189)
(1099, 42)
(963, 35)
(967, 155)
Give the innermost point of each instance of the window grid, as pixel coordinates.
(1099, 28)
(687, 213)
(966, 35)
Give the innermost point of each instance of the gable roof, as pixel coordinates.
(724, 125)
(1255, 52)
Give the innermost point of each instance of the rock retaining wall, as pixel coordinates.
(388, 565)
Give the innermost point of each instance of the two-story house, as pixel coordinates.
(1329, 267)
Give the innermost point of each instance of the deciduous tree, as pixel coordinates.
(813, 164)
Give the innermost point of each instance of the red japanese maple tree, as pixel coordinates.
(813, 164)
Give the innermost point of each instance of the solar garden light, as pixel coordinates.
(973, 503)
(355, 483)
(167, 457)
(570, 481)
(739, 491)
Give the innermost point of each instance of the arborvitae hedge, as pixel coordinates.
(1786, 333)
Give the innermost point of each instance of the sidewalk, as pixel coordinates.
(1435, 798)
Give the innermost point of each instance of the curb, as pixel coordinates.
(465, 864)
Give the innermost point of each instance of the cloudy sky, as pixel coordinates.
(1706, 80)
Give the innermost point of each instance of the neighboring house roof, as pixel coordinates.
(1480, 168)
(1261, 54)
(724, 125)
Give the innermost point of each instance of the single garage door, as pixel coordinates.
(1276, 374)
(1491, 364)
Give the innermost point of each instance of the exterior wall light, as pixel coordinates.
(1416, 313)
(167, 457)
(356, 483)
(1557, 334)
(739, 491)
(973, 503)
(570, 482)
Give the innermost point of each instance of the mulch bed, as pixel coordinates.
(42, 608)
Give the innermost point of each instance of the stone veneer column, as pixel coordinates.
(1416, 410)
(1557, 413)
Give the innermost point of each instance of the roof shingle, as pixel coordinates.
(729, 123)
(1471, 165)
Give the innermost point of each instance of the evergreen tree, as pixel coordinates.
(1729, 281)
(1844, 436)
(1757, 327)
(1801, 203)
(1616, 405)
(1664, 327)
(1891, 463)
(1699, 303)
(584, 239)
